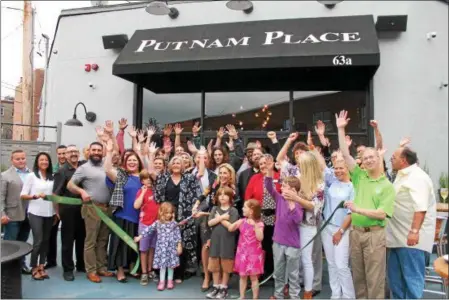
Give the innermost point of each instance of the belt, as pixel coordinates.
(101, 204)
(268, 212)
(368, 229)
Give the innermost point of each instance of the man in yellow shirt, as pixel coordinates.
(373, 204)
(411, 230)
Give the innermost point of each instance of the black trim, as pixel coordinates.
(370, 112)
(138, 106)
(203, 113)
(291, 110)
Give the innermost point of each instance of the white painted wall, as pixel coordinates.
(408, 100)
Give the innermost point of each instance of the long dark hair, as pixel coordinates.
(49, 168)
(213, 163)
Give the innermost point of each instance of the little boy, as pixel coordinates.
(148, 215)
(286, 247)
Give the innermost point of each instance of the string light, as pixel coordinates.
(233, 115)
(257, 115)
(240, 123)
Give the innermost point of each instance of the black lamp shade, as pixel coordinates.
(244, 5)
(74, 122)
(330, 4)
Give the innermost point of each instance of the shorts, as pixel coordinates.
(217, 264)
(147, 242)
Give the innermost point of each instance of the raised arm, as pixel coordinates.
(320, 130)
(342, 121)
(111, 172)
(178, 131)
(220, 134)
(122, 124)
(284, 150)
(379, 140)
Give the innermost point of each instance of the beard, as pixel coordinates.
(95, 159)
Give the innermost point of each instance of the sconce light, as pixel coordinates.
(329, 4)
(90, 116)
(161, 8)
(244, 5)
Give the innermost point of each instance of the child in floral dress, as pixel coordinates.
(168, 244)
(249, 259)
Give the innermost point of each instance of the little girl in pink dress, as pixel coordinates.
(249, 259)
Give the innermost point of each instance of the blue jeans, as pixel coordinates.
(17, 231)
(406, 270)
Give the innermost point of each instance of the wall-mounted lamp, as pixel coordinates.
(90, 116)
(329, 4)
(244, 5)
(161, 8)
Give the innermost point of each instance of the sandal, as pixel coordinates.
(44, 274)
(36, 274)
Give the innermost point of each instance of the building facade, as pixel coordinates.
(7, 116)
(407, 95)
(18, 131)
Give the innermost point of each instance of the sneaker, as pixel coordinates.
(213, 294)
(222, 294)
(144, 279)
(161, 286)
(170, 285)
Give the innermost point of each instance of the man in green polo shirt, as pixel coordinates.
(373, 204)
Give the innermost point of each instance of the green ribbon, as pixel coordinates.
(341, 205)
(111, 224)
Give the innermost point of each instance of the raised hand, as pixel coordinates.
(209, 146)
(271, 135)
(140, 136)
(258, 144)
(152, 149)
(348, 141)
(232, 131)
(132, 132)
(220, 133)
(374, 124)
(109, 127)
(404, 142)
(99, 130)
(320, 128)
(202, 151)
(122, 123)
(196, 128)
(168, 128)
(342, 119)
(293, 136)
(178, 129)
(151, 131)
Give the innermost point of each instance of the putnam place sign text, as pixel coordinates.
(271, 38)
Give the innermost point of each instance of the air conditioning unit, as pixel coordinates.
(99, 3)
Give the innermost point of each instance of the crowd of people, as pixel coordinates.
(246, 210)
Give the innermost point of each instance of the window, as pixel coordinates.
(255, 111)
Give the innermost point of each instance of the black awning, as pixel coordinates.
(335, 53)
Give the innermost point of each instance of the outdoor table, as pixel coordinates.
(12, 254)
(441, 267)
(442, 207)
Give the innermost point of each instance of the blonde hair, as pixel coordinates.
(174, 158)
(231, 170)
(311, 174)
(163, 209)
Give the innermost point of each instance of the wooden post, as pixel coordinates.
(27, 69)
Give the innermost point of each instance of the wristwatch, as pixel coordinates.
(413, 230)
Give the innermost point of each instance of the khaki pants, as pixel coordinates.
(96, 242)
(368, 261)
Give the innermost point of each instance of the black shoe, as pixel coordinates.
(68, 276)
(222, 294)
(26, 270)
(314, 293)
(213, 294)
(81, 270)
(50, 265)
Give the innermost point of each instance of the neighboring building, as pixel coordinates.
(6, 116)
(395, 76)
(18, 131)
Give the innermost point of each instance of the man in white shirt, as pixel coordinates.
(411, 230)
